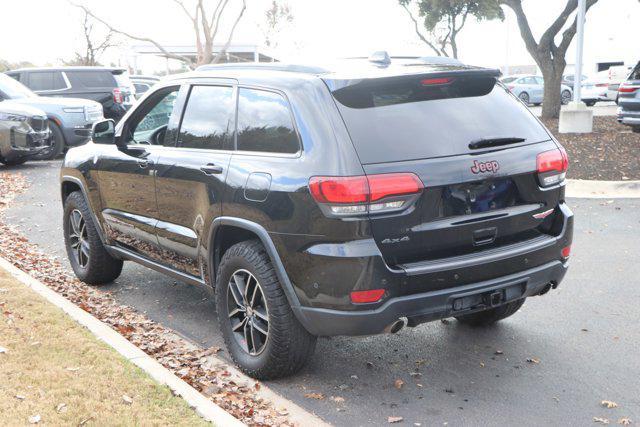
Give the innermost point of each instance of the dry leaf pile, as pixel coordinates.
(176, 354)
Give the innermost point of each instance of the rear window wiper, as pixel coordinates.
(494, 142)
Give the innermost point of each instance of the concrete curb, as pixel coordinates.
(203, 406)
(603, 189)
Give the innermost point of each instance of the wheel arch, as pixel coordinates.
(221, 238)
(69, 184)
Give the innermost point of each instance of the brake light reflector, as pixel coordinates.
(566, 251)
(356, 195)
(361, 297)
(436, 81)
(552, 166)
(117, 96)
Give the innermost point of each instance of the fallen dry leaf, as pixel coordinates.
(73, 369)
(499, 352)
(126, 399)
(34, 419)
(398, 384)
(61, 407)
(625, 421)
(317, 396)
(533, 360)
(392, 420)
(600, 420)
(337, 399)
(20, 397)
(609, 404)
(3, 350)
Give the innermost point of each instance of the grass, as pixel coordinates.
(56, 369)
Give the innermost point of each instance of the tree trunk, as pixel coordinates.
(552, 74)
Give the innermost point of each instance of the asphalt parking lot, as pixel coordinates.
(583, 336)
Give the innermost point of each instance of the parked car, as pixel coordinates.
(617, 74)
(24, 132)
(143, 83)
(324, 201)
(629, 100)
(530, 89)
(111, 87)
(592, 91)
(70, 119)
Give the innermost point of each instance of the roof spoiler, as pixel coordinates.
(337, 82)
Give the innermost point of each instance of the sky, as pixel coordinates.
(47, 31)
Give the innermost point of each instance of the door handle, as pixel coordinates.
(143, 163)
(211, 169)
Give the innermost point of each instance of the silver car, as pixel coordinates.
(23, 133)
(70, 119)
(629, 100)
(530, 89)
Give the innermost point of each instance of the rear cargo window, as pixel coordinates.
(92, 79)
(404, 123)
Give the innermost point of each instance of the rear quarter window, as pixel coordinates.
(46, 80)
(265, 123)
(399, 125)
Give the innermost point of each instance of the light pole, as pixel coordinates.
(577, 78)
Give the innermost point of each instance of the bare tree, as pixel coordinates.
(93, 49)
(549, 55)
(206, 25)
(443, 20)
(277, 16)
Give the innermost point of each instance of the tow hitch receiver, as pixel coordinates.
(488, 299)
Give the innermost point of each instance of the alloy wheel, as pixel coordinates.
(78, 238)
(248, 314)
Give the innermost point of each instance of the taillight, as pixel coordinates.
(359, 195)
(362, 297)
(628, 89)
(565, 252)
(552, 166)
(117, 96)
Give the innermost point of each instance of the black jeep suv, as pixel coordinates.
(351, 200)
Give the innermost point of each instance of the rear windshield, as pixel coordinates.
(399, 123)
(635, 74)
(92, 79)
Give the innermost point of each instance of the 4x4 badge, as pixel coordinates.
(482, 167)
(398, 240)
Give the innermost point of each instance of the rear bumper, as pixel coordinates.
(423, 291)
(434, 305)
(629, 117)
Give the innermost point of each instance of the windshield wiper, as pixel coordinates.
(494, 142)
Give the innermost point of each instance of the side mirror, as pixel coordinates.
(104, 132)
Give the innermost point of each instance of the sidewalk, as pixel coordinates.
(53, 371)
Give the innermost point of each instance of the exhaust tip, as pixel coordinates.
(396, 326)
(546, 289)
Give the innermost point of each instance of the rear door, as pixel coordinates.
(191, 174)
(474, 199)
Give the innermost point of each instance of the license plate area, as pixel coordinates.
(488, 299)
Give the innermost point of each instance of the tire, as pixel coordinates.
(590, 103)
(57, 144)
(537, 104)
(286, 346)
(492, 315)
(94, 265)
(565, 97)
(14, 162)
(524, 97)
(635, 129)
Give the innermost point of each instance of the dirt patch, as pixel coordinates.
(611, 152)
(179, 356)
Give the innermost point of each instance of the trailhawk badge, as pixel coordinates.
(482, 167)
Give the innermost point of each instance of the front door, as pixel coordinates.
(126, 176)
(190, 180)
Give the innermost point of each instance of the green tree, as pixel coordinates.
(443, 20)
(548, 54)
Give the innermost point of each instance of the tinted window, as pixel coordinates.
(208, 119)
(539, 80)
(46, 80)
(151, 126)
(635, 74)
(264, 123)
(436, 127)
(92, 79)
(13, 89)
(141, 87)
